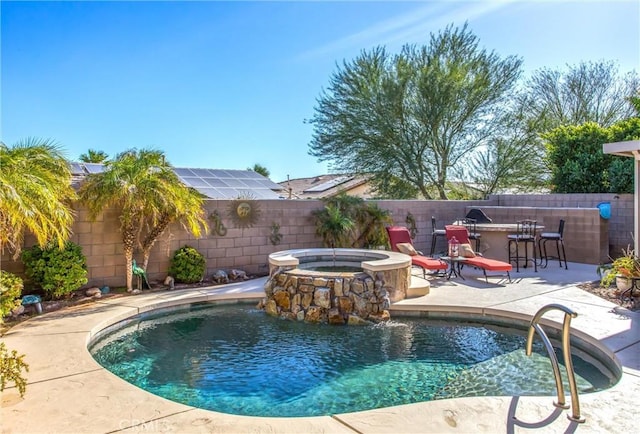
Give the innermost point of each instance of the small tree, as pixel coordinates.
(348, 221)
(149, 195)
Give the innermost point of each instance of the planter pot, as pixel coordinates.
(623, 284)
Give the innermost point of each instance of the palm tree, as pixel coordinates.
(333, 226)
(150, 196)
(259, 168)
(35, 194)
(93, 156)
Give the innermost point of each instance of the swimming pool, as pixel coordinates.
(237, 360)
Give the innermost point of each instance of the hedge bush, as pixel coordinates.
(10, 291)
(187, 265)
(58, 272)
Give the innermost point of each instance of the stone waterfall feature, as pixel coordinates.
(296, 293)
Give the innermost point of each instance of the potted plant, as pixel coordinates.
(621, 270)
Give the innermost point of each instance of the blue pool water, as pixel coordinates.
(237, 360)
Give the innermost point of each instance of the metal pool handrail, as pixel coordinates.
(534, 326)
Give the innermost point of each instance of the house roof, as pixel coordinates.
(323, 186)
(213, 183)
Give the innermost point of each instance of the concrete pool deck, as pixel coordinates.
(68, 392)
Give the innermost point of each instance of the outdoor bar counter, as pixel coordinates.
(586, 233)
(494, 243)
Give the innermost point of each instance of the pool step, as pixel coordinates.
(418, 287)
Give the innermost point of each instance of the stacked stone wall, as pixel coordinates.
(353, 299)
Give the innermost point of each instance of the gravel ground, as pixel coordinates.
(611, 294)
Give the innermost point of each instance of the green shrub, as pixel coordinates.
(187, 265)
(11, 366)
(10, 291)
(57, 272)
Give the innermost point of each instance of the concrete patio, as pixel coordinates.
(68, 392)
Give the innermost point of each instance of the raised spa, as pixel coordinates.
(312, 285)
(235, 359)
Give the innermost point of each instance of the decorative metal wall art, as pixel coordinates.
(244, 212)
(411, 223)
(218, 226)
(276, 236)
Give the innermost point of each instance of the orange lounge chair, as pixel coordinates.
(400, 241)
(475, 259)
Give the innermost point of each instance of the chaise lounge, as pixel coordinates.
(472, 258)
(400, 241)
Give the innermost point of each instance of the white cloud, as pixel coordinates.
(414, 26)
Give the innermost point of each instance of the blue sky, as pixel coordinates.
(229, 84)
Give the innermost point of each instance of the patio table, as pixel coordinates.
(455, 264)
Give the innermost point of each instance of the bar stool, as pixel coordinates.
(470, 224)
(435, 234)
(558, 238)
(525, 233)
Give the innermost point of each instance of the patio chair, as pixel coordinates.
(400, 241)
(525, 234)
(557, 237)
(472, 258)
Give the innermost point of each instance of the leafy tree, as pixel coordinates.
(258, 168)
(415, 115)
(515, 159)
(149, 196)
(35, 194)
(93, 156)
(578, 163)
(588, 92)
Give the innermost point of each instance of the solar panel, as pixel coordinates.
(183, 171)
(213, 183)
(76, 168)
(229, 184)
(94, 167)
(216, 182)
(203, 173)
(191, 181)
(328, 184)
(236, 183)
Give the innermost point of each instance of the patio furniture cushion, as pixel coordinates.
(428, 263)
(407, 249)
(466, 251)
(489, 264)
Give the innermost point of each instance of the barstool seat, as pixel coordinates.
(435, 234)
(525, 233)
(558, 238)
